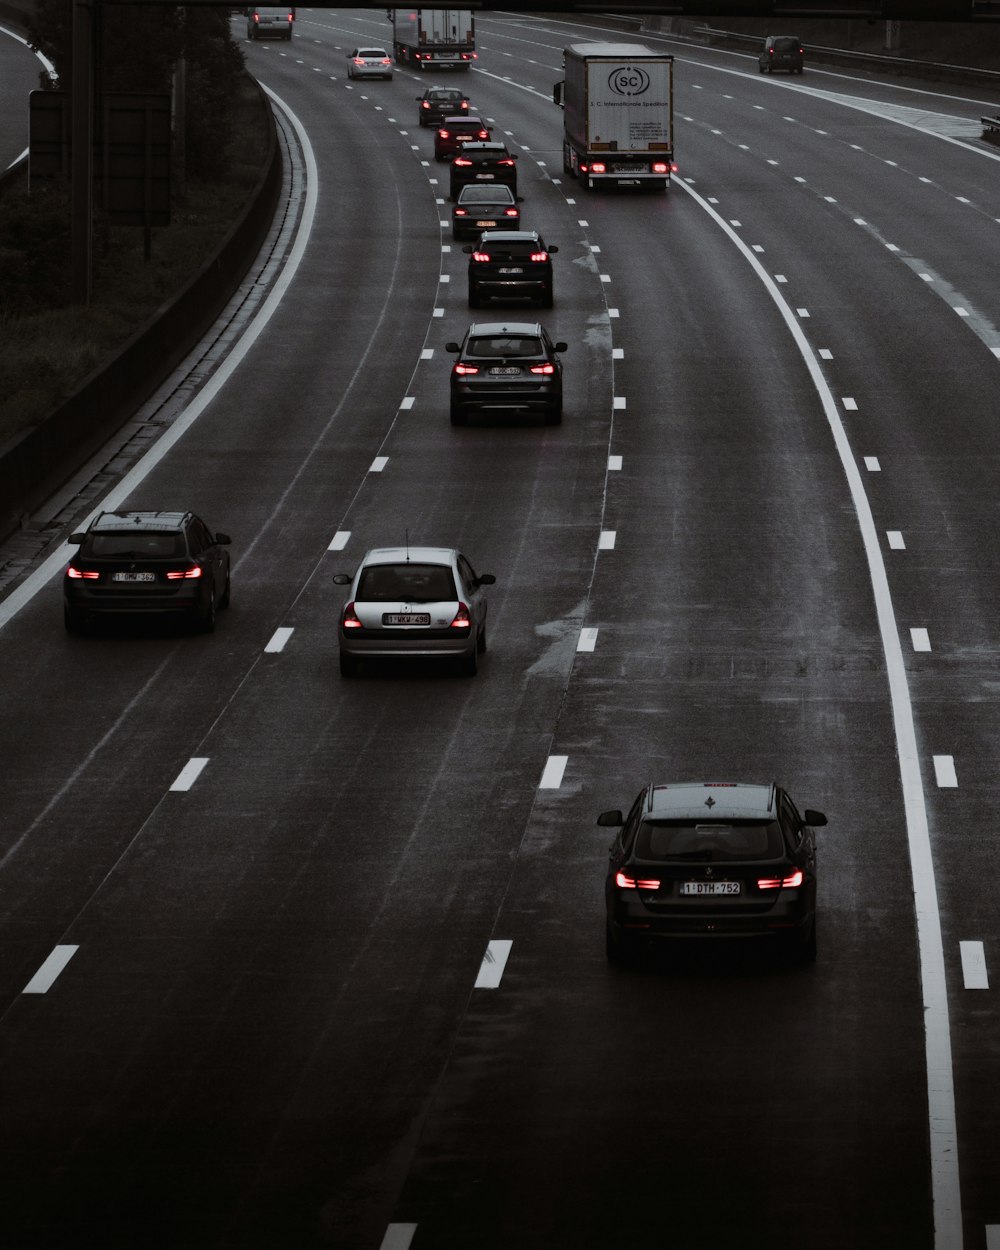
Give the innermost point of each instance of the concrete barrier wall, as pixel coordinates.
(42, 459)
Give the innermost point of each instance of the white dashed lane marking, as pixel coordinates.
(872, 464)
(44, 978)
(974, 966)
(494, 962)
(278, 640)
(851, 405)
(398, 1237)
(190, 773)
(340, 540)
(588, 640)
(552, 774)
(921, 639)
(606, 542)
(944, 771)
(895, 538)
(378, 464)
(614, 462)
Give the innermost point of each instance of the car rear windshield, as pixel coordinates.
(417, 583)
(377, 52)
(512, 249)
(445, 95)
(162, 546)
(660, 840)
(786, 43)
(504, 345)
(486, 195)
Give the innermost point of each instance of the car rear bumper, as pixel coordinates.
(788, 918)
(512, 288)
(536, 399)
(415, 644)
(181, 600)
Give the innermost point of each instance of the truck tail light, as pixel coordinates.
(597, 167)
(661, 167)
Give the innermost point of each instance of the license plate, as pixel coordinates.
(133, 577)
(505, 370)
(510, 271)
(710, 887)
(486, 223)
(486, 177)
(406, 618)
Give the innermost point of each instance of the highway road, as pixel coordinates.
(349, 987)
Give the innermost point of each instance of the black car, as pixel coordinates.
(708, 860)
(438, 103)
(160, 563)
(781, 52)
(455, 132)
(506, 367)
(483, 162)
(510, 264)
(484, 207)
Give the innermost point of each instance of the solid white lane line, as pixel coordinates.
(340, 540)
(606, 542)
(974, 966)
(552, 774)
(398, 1237)
(896, 542)
(944, 771)
(44, 978)
(614, 462)
(921, 639)
(190, 773)
(494, 962)
(588, 639)
(278, 640)
(872, 464)
(378, 464)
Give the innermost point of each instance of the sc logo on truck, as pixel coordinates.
(628, 80)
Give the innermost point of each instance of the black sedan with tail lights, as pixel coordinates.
(480, 163)
(147, 564)
(455, 132)
(697, 861)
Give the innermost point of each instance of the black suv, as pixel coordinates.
(781, 52)
(168, 563)
(483, 162)
(510, 264)
(454, 132)
(506, 367)
(698, 860)
(438, 103)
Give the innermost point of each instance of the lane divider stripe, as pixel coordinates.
(45, 977)
(494, 962)
(190, 773)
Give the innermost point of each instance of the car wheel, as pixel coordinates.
(481, 640)
(206, 618)
(348, 665)
(616, 950)
(458, 417)
(468, 665)
(554, 415)
(72, 619)
(224, 601)
(804, 949)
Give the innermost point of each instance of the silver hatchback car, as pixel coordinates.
(413, 601)
(369, 63)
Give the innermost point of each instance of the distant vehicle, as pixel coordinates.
(413, 601)
(454, 132)
(483, 162)
(437, 103)
(509, 367)
(782, 52)
(618, 114)
(484, 206)
(369, 63)
(708, 860)
(147, 563)
(270, 23)
(510, 264)
(434, 38)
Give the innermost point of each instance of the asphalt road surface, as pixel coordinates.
(349, 988)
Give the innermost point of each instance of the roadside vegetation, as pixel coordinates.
(47, 346)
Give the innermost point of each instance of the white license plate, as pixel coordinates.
(133, 577)
(486, 223)
(406, 618)
(710, 887)
(486, 177)
(510, 271)
(505, 370)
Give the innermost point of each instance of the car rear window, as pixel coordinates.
(445, 95)
(659, 840)
(379, 52)
(418, 583)
(512, 249)
(787, 43)
(505, 345)
(162, 546)
(486, 195)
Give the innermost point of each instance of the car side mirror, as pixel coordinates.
(342, 579)
(486, 579)
(519, 199)
(561, 347)
(552, 248)
(452, 347)
(77, 539)
(612, 819)
(223, 540)
(468, 248)
(813, 818)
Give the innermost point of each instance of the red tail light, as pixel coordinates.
(462, 619)
(461, 160)
(480, 255)
(460, 212)
(462, 370)
(781, 883)
(598, 167)
(508, 161)
(256, 16)
(625, 882)
(539, 256)
(443, 134)
(484, 134)
(75, 574)
(386, 61)
(351, 620)
(660, 167)
(512, 212)
(179, 575)
(543, 368)
(425, 104)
